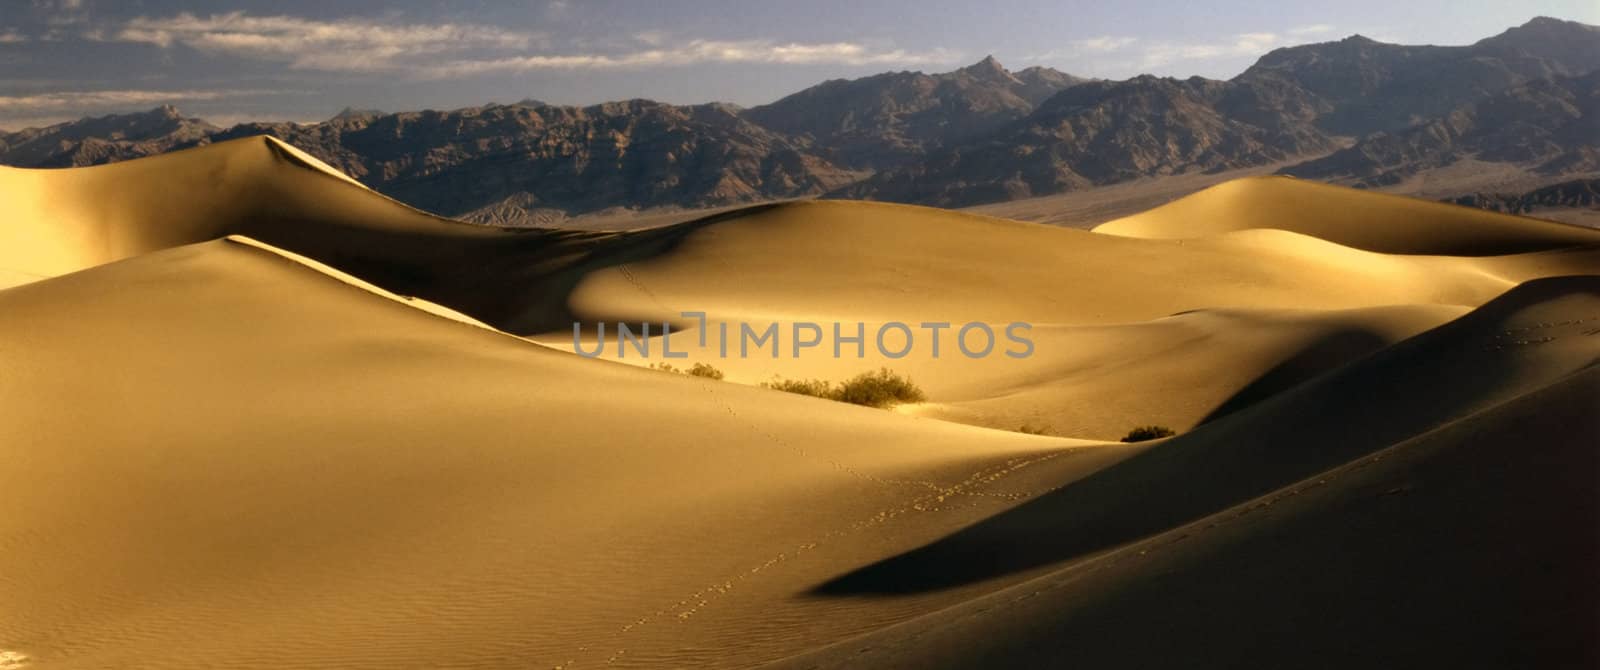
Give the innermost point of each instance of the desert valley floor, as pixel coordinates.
(255, 415)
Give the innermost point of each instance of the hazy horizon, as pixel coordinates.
(230, 62)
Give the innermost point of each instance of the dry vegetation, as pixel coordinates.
(1143, 433)
(883, 388)
(696, 370)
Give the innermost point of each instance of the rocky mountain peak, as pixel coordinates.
(989, 68)
(353, 113)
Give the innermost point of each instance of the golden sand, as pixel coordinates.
(256, 415)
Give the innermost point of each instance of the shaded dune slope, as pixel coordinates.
(326, 428)
(1534, 335)
(1408, 509)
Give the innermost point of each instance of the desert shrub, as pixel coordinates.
(872, 389)
(878, 389)
(1031, 429)
(1143, 433)
(704, 370)
(697, 370)
(816, 388)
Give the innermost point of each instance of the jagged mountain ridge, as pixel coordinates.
(1294, 102)
(888, 119)
(1549, 125)
(103, 139)
(1101, 133)
(1369, 86)
(973, 135)
(571, 159)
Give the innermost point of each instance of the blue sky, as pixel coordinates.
(306, 59)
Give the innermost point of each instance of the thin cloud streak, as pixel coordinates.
(352, 45)
(348, 45)
(110, 99)
(1105, 43)
(1316, 29)
(701, 51)
(1132, 55)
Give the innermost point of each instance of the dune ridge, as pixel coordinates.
(1376, 221)
(248, 401)
(1293, 615)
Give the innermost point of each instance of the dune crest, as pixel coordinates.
(1364, 220)
(249, 401)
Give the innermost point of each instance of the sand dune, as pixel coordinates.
(61, 221)
(1373, 221)
(1447, 517)
(1247, 303)
(385, 486)
(248, 401)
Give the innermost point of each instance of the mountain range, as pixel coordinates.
(1353, 111)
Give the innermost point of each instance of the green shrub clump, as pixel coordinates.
(883, 388)
(1143, 433)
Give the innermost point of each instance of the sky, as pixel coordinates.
(304, 60)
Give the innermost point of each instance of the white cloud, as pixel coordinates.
(652, 38)
(1134, 54)
(1255, 43)
(1315, 29)
(12, 37)
(446, 50)
(74, 100)
(701, 51)
(1105, 43)
(343, 45)
(1092, 50)
(1241, 45)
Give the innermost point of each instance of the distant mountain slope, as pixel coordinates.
(886, 119)
(104, 139)
(1293, 102)
(1371, 86)
(1551, 126)
(1575, 193)
(573, 159)
(975, 135)
(1105, 132)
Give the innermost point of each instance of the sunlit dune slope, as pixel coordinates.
(215, 448)
(1126, 331)
(1433, 504)
(1257, 310)
(852, 260)
(1088, 381)
(60, 221)
(1360, 219)
(329, 432)
(800, 260)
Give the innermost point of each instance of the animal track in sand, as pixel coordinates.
(1524, 336)
(940, 496)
